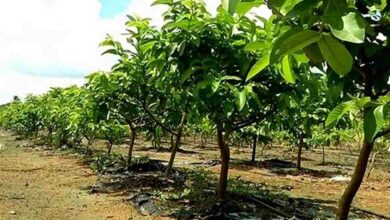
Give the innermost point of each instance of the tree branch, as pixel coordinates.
(382, 133)
(158, 121)
(252, 120)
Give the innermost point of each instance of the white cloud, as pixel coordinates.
(47, 43)
(18, 84)
(42, 40)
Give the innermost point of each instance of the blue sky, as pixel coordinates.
(110, 8)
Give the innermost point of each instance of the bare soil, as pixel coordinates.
(39, 185)
(314, 182)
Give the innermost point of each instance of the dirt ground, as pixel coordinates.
(40, 185)
(373, 196)
(37, 185)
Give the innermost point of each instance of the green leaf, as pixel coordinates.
(241, 100)
(334, 11)
(373, 123)
(189, 72)
(110, 51)
(361, 103)
(235, 78)
(258, 45)
(147, 46)
(277, 3)
(262, 63)
(337, 113)
(292, 41)
(301, 9)
(352, 28)
(162, 2)
(244, 6)
(251, 93)
(287, 71)
(381, 6)
(284, 6)
(302, 58)
(230, 5)
(335, 53)
(241, 7)
(313, 53)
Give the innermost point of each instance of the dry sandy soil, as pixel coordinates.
(38, 185)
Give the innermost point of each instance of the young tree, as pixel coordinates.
(213, 61)
(351, 38)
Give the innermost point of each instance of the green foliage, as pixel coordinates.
(292, 41)
(351, 29)
(104, 163)
(337, 56)
(258, 67)
(376, 117)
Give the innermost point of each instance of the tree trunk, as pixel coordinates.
(154, 141)
(131, 146)
(91, 138)
(349, 149)
(203, 140)
(323, 154)
(50, 136)
(225, 157)
(372, 165)
(109, 148)
(172, 141)
(354, 184)
(173, 154)
(254, 149)
(300, 146)
(176, 146)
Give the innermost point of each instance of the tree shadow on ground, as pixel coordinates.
(189, 194)
(166, 150)
(283, 168)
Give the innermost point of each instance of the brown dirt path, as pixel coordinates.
(36, 185)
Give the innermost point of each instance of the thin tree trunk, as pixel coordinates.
(176, 146)
(254, 149)
(225, 157)
(92, 138)
(131, 146)
(354, 184)
(172, 141)
(109, 148)
(323, 154)
(300, 146)
(173, 154)
(50, 136)
(349, 149)
(372, 165)
(154, 142)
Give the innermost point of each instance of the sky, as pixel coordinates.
(51, 43)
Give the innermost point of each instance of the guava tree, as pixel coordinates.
(154, 79)
(114, 92)
(212, 54)
(350, 39)
(303, 107)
